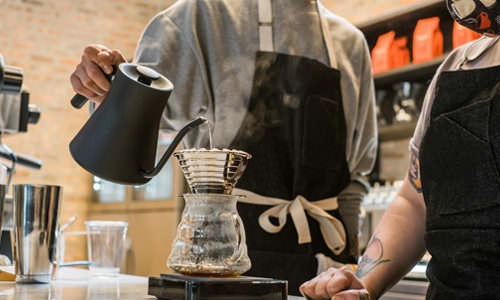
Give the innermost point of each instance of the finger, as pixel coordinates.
(324, 282)
(79, 87)
(338, 282)
(100, 56)
(117, 57)
(316, 287)
(94, 78)
(352, 295)
(354, 280)
(87, 76)
(107, 59)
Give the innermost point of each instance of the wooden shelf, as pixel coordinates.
(412, 72)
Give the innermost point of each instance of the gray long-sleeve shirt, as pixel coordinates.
(207, 49)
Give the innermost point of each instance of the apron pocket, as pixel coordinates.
(323, 132)
(459, 171)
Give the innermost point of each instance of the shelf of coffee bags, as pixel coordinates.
(402, 18)
(411, 21)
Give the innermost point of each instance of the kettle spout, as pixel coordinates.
(177, 139)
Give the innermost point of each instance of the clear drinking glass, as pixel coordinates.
(106, 246)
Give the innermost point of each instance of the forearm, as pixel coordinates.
(397, 243)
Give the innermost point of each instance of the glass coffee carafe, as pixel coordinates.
(210, 238)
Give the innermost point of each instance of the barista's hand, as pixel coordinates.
(88, 78)
(337, 284)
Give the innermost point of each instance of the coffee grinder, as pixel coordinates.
(209, 252)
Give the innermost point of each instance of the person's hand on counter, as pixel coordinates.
(89, 78)
(338, 284)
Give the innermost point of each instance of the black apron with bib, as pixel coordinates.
(295, 130)
(460, 167)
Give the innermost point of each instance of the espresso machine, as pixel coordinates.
(16, 113)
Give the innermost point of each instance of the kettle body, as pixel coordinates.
(118, 142)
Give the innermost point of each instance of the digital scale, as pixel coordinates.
(180, 287)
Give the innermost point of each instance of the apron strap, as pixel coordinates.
(327, 36)
(266, 25)
(266, 41)
(332, 229)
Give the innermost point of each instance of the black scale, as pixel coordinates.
(180, 287)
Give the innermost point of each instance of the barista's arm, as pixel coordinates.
(397, 244)
(363, 149)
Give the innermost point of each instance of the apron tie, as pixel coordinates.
(332, 229)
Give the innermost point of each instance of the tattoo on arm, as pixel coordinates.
(372, 257)
(414, 170)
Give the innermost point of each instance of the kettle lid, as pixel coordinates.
(146, 76)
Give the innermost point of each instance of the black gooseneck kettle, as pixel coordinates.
(118, 142)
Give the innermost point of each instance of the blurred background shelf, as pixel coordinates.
(421, 72)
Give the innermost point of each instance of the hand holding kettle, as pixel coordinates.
(91, 76)
(118, 142)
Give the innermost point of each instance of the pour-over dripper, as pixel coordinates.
(213, 171)
(210, 238)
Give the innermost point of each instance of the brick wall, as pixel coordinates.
(46, 37)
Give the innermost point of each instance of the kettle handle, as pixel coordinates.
(177, 139)
(78, 101)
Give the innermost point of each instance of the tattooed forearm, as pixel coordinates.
(372, 257)
(414, 171)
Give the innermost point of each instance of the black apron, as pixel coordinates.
(460, 168)
(295, 130)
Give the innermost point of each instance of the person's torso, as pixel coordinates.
(225, 37)
(460, 168)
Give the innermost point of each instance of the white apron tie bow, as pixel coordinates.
(331, 228)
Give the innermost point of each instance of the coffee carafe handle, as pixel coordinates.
(242, 241)
(177, 139)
